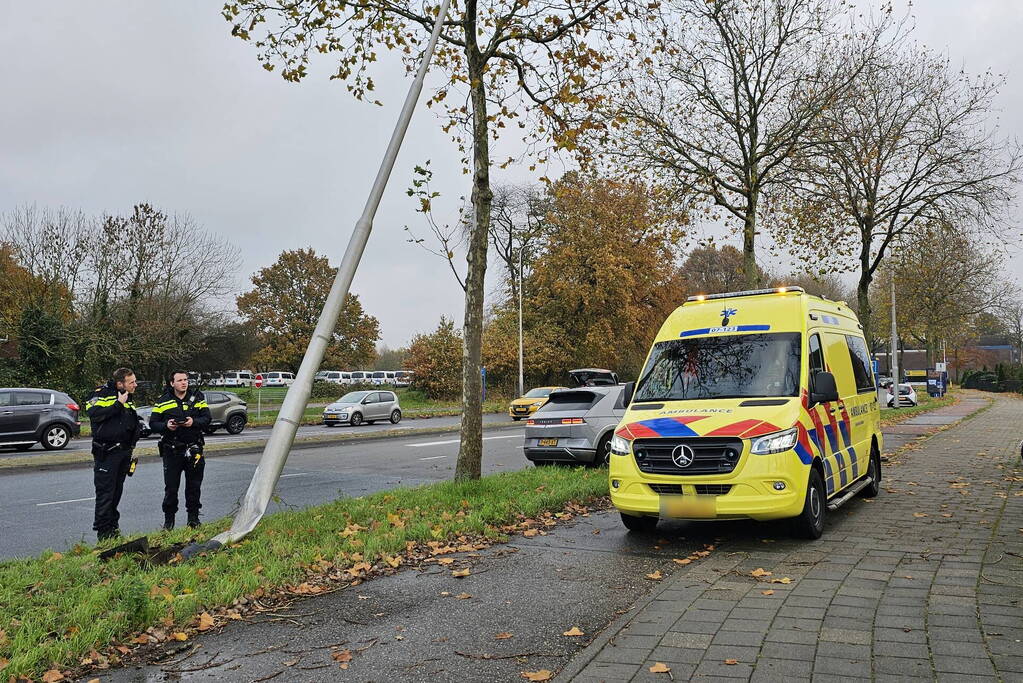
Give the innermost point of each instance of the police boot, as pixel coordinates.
(193, 519)
(168, 521)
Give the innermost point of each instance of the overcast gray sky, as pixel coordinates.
(110, 103)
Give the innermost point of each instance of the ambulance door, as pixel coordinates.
(863, 408)
(836, 354)
(823, 434)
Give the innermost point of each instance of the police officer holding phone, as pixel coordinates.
(181, 415)
(115, 431)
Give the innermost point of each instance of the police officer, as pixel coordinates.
(181, 415)
(115, 431)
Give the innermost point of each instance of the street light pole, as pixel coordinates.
(253, 504)
(522, 388)
(895, 350)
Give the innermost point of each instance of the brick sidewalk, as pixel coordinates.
(923, 583)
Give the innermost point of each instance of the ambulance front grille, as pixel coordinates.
(711, 455)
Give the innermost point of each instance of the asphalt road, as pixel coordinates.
(54, 508)
(263, 433)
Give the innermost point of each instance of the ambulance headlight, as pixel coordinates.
(775, 443)
(620, 445)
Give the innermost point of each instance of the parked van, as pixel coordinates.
(237, 378)
(383, 377)
(360, 377)
(403, 378)
(333, 376)
(277, 378)
(757, 404)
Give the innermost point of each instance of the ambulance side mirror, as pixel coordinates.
(627, 392)
(824, 388)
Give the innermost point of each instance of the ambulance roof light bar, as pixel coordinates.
(750, 292)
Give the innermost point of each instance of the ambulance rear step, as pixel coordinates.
(853, 490)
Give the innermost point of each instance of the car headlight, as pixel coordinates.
(775, 443)
(538, 403)
(620, 445)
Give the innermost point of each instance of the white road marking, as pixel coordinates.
(444, 443)
(73, 500)
(297, 474)
(434, 457)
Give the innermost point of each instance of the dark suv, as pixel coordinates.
(38, 415)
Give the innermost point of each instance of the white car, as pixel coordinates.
(907, 396)
(278, 379)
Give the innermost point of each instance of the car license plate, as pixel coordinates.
(330, 416)
(548, 442)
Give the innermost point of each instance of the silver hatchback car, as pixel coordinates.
(575, 425)
(357, 407)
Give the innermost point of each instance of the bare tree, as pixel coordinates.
(915, 144)
(518, 221)
(722, 93)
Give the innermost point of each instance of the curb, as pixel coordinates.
(20, 463)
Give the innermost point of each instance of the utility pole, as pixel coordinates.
(522, 388)
(282, 436)
(895, 350)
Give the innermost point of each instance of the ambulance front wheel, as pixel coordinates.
(810, 523)
(639, 523)
(874, 472)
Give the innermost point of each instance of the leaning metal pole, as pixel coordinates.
(264, 480)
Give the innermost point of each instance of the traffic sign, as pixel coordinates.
(259, 381)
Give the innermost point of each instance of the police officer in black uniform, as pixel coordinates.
(181, 415)
(115, 431)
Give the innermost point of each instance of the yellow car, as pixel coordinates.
(530, 402)
(757, 405)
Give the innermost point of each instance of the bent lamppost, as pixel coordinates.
(275, 454)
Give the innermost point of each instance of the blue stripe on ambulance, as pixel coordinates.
(666, 426)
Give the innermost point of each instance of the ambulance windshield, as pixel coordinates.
(733, 366)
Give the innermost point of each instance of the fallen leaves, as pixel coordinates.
(541, 675)
(767, 592)
(206, 621)
(784, 579)
(683, 561)
(342, 657)
(573, 632)
(462, 596)
(52, 676)
(504, 635)
(656, 575)
(919, 514)
(460, 573)
(179, 636)
(759, 572)
(731, 662)
(659, 668)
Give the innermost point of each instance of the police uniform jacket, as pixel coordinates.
(170, 407)
(112, 422)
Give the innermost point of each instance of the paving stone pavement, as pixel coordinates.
(925, 582)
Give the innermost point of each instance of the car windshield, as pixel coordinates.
(733, 366)
(537, 393)
(353, 397)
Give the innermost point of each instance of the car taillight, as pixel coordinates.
(572, 421)
(530, 423)
(72, 406)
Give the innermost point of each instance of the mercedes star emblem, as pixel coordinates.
(682, 456)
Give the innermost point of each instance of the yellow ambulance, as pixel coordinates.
(751, 405)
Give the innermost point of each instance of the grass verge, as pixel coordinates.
(57, 609)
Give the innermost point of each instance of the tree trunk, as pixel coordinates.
(751, 274)
(863, 290)
(470, 450)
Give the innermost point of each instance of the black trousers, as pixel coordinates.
(108, 472)
(175, 462)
